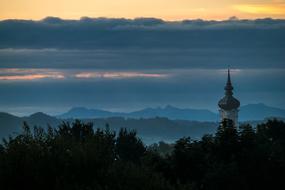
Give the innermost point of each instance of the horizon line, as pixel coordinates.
(162, 106)
(231, 18)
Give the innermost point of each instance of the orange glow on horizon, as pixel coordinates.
(165, 9)
(262, 9)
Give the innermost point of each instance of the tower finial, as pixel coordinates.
(229, 88)
(229, 76)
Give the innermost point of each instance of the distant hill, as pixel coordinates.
(10, 124)
(149, 129)
(168, 111)
(176, 113)
(153, 124)
(158, 129)
(41, 119)
(83, 113)
(259, 112)
(248, 112)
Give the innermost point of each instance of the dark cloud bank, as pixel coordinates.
(53, 32)
(145, 43)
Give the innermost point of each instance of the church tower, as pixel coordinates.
(228, 104)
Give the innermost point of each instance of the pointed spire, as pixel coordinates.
(228, 102)
(229, 88)
(229, 77)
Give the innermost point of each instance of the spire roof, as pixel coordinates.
(229, 88)
(228, 102)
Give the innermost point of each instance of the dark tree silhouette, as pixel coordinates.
(77, 157)
(129, 147)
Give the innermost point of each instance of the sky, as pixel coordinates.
(141, 54)
(164, 9)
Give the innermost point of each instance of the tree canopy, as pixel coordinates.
(78, 157)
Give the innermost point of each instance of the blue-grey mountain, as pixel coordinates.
(248, 112)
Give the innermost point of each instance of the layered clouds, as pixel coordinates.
(89, 33)
(124, 64)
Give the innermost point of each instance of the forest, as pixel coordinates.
(75, 156)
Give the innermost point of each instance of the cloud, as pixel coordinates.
(277, 8)
(260, 55)
(118, 75)
(15, 74)
(94, 33)
(30, 77)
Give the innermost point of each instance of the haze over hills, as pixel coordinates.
(259, 112)
(10, 124)
(149, 129)
(168, 112)
(153, 124)
(247, 112)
